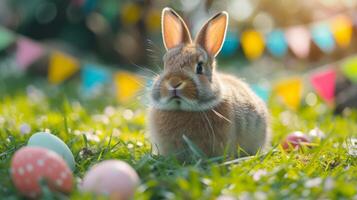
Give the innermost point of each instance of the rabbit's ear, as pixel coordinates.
(213, 33)
(174, 29)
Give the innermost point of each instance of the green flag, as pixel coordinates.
(6, 38)
(349, 69)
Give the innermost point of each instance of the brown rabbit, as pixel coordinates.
(216, 111)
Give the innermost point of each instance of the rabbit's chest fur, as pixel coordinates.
(240, 119)
(205, 129)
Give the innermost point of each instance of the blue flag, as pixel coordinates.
(262, 91)
(323, 38)
(94, 77)
(276, 43)
(230, 45)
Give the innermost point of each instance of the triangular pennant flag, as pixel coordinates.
(230, 44)
(349, 69)
(252, 44)
(298, 39)
(276, 43)
(290, 91)
(341, 28)
(324, 84)
(127, 86)
(93, 76)
(6, 38)
(131, 13)
(262, 91)
(61, 67)
(323, 38)
(27, 52)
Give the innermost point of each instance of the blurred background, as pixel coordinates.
(312, 41)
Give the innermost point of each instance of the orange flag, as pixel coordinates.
(290, 92)
(62, 66)
(127, 86)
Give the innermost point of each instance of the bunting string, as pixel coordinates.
(62, 67)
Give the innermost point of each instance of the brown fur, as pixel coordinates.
(217, 112)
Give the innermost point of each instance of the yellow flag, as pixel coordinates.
(131, 13)
(252, 44)
(127, 86)
(62, 66)
(290, 91)
(342, 30)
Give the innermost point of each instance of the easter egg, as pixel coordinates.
(52, 142)
(295, 140)
(31, 165)
(114, 178)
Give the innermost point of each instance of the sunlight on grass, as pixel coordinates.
(100, 129)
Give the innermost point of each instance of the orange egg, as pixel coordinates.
(30, 165)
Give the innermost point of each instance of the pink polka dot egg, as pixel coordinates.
(31, 165)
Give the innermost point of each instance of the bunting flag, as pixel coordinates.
(341, 28)
(127, 86)
(27, 52)
(262, 91)
(131, 13)
(230, 45)
(290, 92)
(61, 67)
(324, 84)
(323, 38)
(276, 43)
(6, 38)
(153, 20)
(94, 77)
(298, 39)
(252, 44)
(349, 69)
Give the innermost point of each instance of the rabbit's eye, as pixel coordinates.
(199, 68)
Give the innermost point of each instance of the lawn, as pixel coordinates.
(98, 128)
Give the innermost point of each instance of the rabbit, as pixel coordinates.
(217, 112)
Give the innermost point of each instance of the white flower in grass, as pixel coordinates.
(25, 128)
(116, 132)
(259, 174)
(109, 111)
(351, 146)
(259, 195)
(329, 184)
(130, 146)
(226, 197)
(315, 182)
(316, 133)
(128, 114)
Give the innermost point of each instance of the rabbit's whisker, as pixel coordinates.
(221, 116)
(212, 131)
(144, 68)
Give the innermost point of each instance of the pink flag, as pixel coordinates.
(27, 52)
(298, 39)
(324, 84)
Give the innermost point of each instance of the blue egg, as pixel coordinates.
(52, 142)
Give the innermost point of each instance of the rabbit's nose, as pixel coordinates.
(175, 83)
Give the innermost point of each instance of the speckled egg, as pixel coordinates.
(30, 165)
(52, 142)
(114, 178)
(295, 141)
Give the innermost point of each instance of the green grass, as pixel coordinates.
(326, 171)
